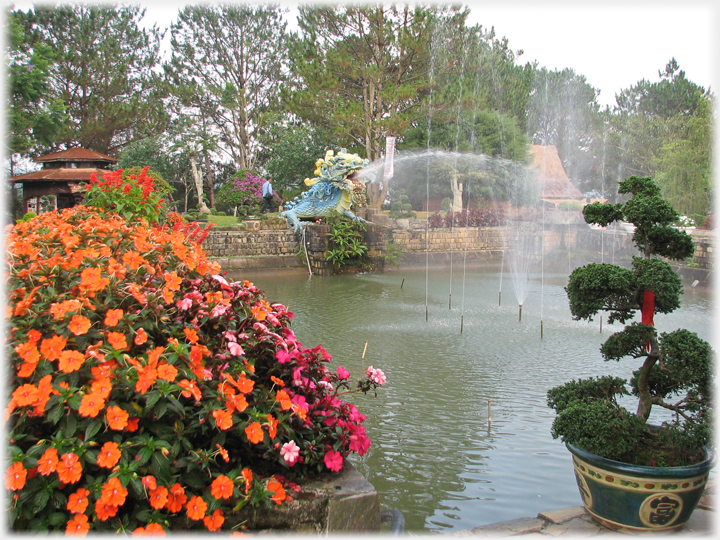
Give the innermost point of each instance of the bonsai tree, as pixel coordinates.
(675, 369)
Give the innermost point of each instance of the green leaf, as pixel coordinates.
(161, 466)
(92, 429)
(57, 519)
(56, 413)
(41, 500)
(70, 425)
(151, 399)
(161, 408)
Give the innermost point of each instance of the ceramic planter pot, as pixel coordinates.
(631, 498)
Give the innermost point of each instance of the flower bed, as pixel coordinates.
(146, 388)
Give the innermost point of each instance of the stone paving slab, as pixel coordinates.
(576, 522)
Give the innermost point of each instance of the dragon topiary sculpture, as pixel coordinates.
(337, 186)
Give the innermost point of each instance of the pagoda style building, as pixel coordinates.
(556, 187)
(62, 180)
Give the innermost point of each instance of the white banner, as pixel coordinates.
(389, 154)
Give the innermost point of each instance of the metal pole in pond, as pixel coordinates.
(403, 283)
(502, 267)
(541, 329)
(520, 313)
(462, 320)
(489, 412)
(601, 324)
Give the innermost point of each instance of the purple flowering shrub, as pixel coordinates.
(245, 193)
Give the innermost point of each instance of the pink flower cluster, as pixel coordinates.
(319, 428)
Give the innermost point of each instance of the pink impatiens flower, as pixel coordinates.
(235, 349)
(333, 460)
(342, 372)
(290, 452)
(376, 375)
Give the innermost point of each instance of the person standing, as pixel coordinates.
(267, 194)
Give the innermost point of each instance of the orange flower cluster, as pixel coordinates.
(140, 380)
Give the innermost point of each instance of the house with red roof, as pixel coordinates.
(63, 179)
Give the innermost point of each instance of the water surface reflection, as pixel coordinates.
(434, 455)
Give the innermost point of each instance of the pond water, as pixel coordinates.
(434, 454)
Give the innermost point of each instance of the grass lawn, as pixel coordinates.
(222, 220)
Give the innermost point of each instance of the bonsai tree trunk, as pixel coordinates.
(645, 399)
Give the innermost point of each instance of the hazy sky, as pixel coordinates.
(614, 44)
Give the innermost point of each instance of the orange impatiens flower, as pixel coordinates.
(101, 386)
(52, 347)
(48, 461)
(104, 510)
(278, 491)
(158, 497)
(191, 389)
(254, 433)
(272, 426)
(70, 361)
(133, 424)
(277, 381)
(113, 492)
(116, 417)
(223, 418)
(113, 316)
(222, 487)
(173, 281)
(78, 501)
(91, 404)
(149, 482)
(191, 334)
(117, 340)
(15, 476)
(214, 522)
(26, 394)
(59, 309)
(28, 351)
(196, 508)
(91, 280)
(133, 260)
(78, 525)
(151, 529)
(79, 325)
(109, 455)
(68, 468)
(247, 476)
(140, 337)
(176, 498)
(166, 372)
(284, 399)
(223, 453)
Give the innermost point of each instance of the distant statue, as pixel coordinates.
(337, 186)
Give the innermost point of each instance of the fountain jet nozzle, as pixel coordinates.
(520, 314)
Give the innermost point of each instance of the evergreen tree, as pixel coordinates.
(228, 64)
(104, 73)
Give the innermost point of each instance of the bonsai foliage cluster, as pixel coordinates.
(146, 393)
(471, 217)
(675, 370)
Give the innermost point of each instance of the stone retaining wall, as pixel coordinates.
(235, 248)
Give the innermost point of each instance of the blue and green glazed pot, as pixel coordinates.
(630, 498)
